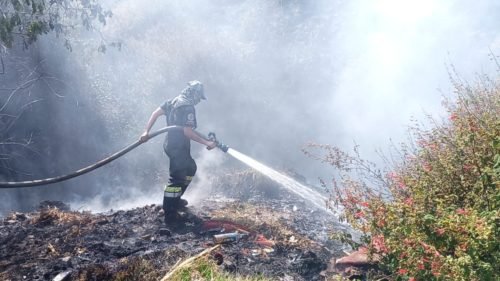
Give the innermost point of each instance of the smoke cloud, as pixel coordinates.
(277, 75)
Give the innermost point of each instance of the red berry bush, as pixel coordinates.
(434, 213)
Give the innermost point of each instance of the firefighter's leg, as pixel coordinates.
(191, 171)
(173, 190)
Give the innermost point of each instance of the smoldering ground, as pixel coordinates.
(277, 74)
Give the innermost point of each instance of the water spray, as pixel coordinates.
(312, 196)
(305, 192)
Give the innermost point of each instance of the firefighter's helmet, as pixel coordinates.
(195, 90)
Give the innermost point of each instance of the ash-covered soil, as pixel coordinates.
(284, 238)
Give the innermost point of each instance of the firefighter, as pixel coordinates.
(179, 111)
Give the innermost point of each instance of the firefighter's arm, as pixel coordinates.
(197, 137)
(157, 113)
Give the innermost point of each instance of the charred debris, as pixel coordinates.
(260, 229)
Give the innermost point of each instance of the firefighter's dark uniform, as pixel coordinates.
(178, 148)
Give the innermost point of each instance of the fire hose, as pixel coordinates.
(211, 136)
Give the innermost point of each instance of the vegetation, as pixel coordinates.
(28, 19)
(25, 90)
(435, 214)
(203, 268)
(206, 269)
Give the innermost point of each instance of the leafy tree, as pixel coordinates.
(28, 19)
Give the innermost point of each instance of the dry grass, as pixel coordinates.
(264, 220)
(137, 269)
(205, 269)
(153, 268)
(56, 216)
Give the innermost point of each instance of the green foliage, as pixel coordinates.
(205, 269)
(29, 19)
(435, 215)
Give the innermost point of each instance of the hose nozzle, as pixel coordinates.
(220, 145)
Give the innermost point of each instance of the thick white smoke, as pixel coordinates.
(277, 74)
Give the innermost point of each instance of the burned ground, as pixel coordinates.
(284, 238)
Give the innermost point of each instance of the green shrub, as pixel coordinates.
(435, 214)
(205, 269)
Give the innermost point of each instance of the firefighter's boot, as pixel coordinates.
(171, 199)
(183, 203)
(172, 219)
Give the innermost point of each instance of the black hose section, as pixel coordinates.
(86, 169)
